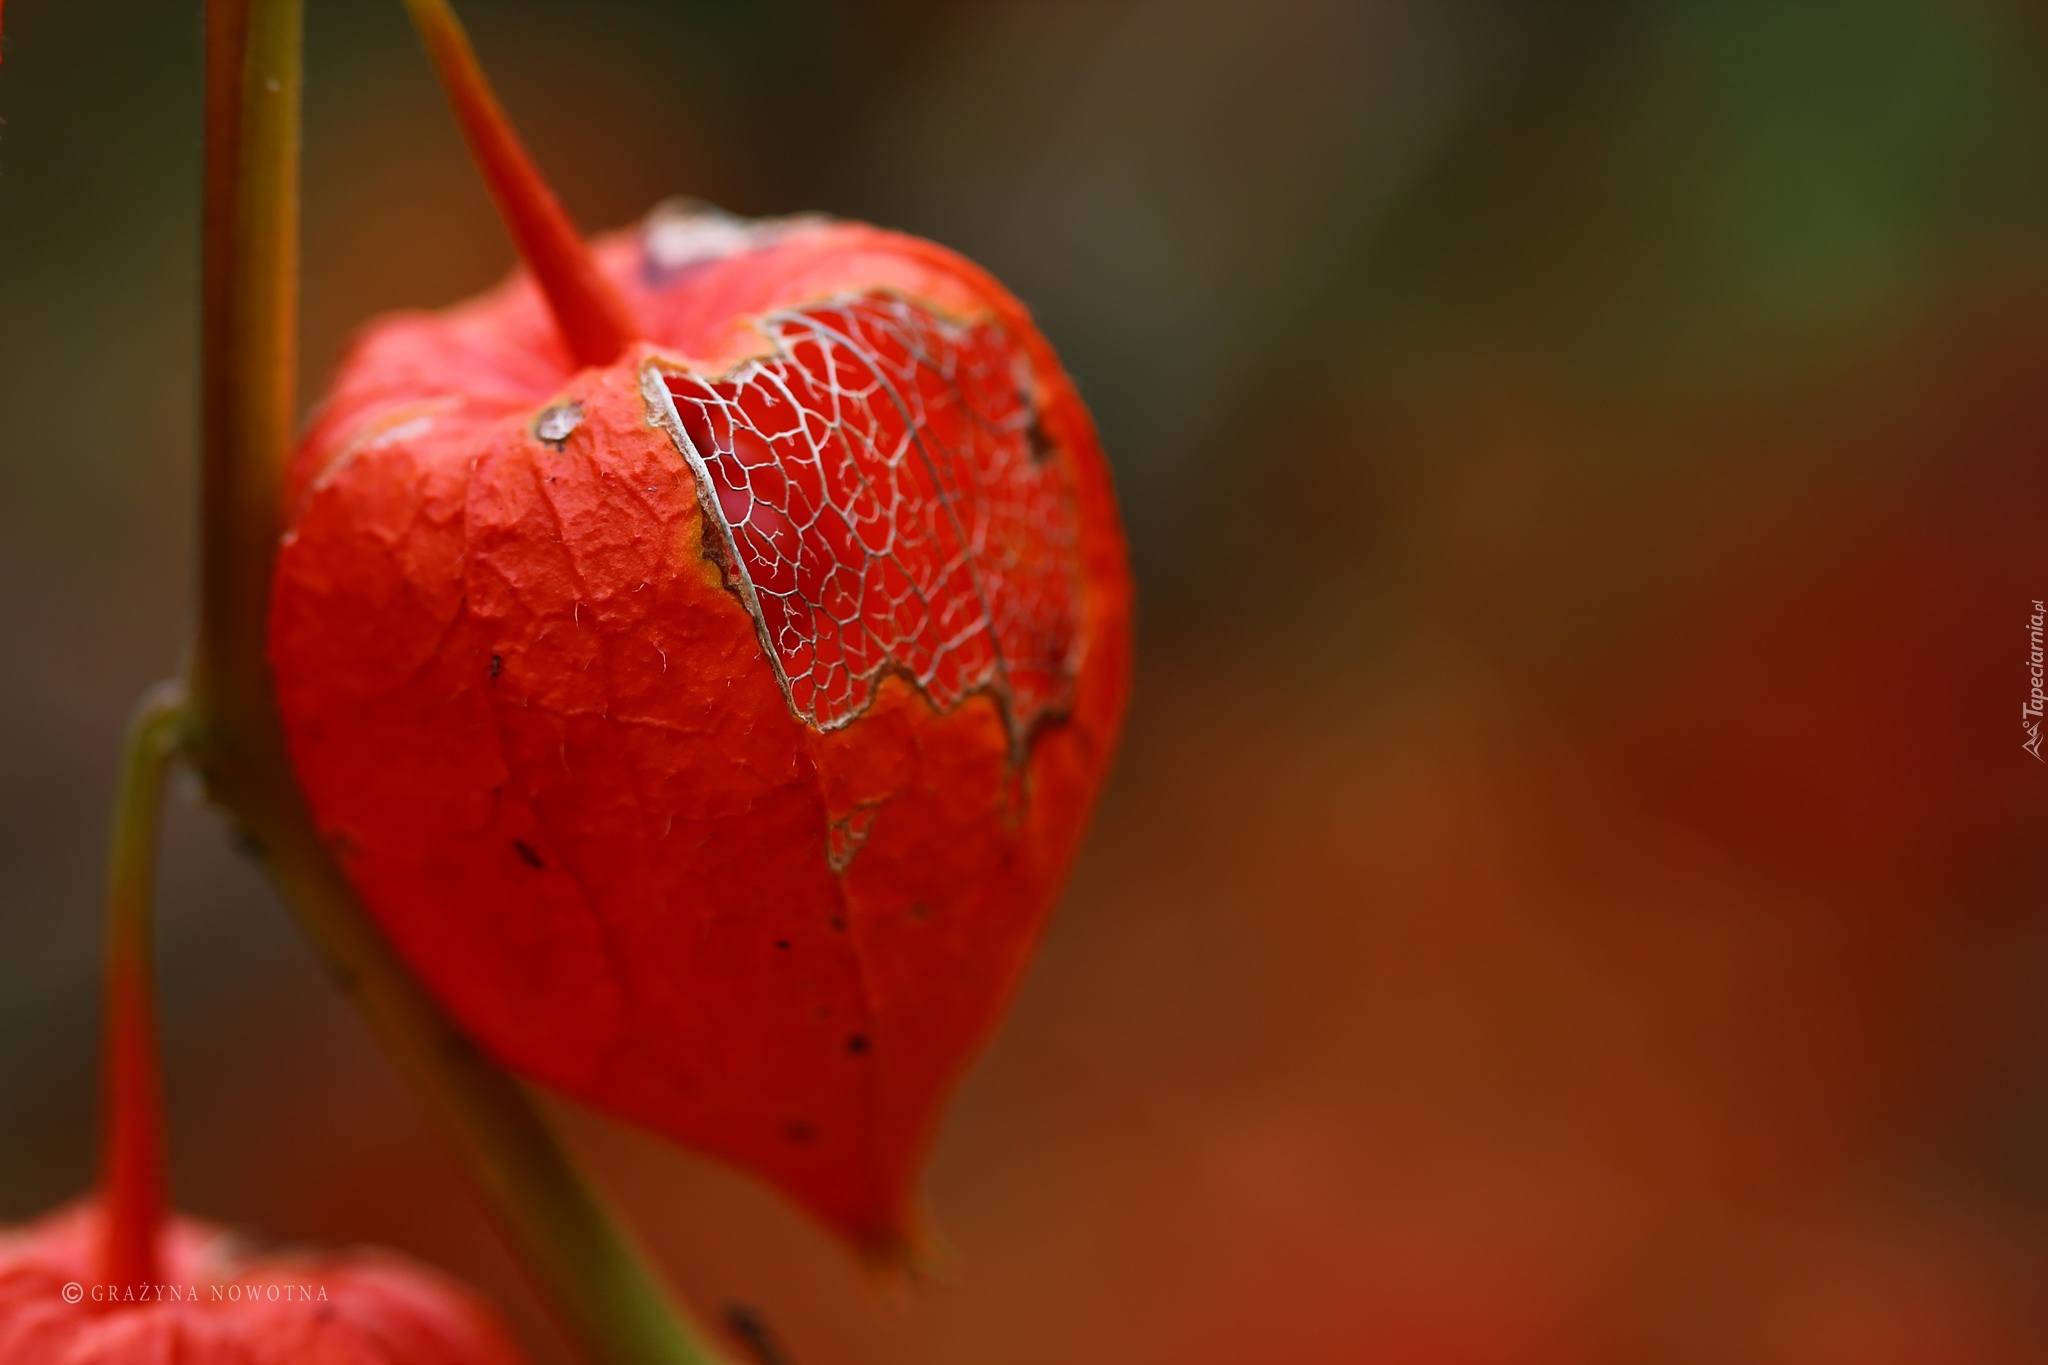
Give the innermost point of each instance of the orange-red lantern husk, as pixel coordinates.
(713, 731)
(214, 1301)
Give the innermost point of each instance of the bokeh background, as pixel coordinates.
(1572, 890)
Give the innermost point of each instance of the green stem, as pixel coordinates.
(132, 1158)
(599, 1283)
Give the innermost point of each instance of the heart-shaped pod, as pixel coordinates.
(712, 731)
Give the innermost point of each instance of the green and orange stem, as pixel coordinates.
(606, 1295)
(594, 320)
(132, 1156)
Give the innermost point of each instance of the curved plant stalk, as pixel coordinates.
(600, 1285)
(132, 1117)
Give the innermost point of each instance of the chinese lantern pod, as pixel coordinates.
(216, 1302)
(712, 730)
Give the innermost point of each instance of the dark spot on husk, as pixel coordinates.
(750, 1329)
(1041, 442)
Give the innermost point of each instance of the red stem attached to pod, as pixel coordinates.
(132, 1174)
(594, 320)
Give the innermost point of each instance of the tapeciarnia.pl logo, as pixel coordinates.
(2037, 700)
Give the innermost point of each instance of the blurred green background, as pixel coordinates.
(1572, 891)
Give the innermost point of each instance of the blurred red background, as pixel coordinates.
(1572, 892)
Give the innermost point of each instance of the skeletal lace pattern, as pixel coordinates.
(888, 504)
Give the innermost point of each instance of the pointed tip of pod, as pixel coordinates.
(908, 1254)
